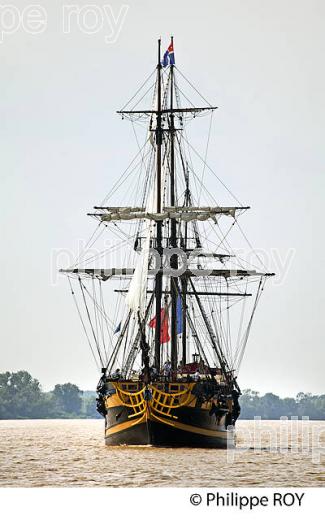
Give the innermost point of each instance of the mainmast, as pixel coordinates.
(173, 228)
(184, 279)
(158, 280)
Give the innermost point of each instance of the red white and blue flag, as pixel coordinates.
(169, 56)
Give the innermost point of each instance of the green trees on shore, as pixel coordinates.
(21, 397)
(271, 406)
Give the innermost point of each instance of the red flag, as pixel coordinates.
(164, 332)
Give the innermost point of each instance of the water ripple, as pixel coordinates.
(72, 453)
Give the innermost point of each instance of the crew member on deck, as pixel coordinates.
(197, 376)
(167, 369)
(117, 374)
(153, 373)
(236, 406)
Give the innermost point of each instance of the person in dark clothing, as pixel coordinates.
(236, 406)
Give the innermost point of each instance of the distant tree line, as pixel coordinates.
(21, 397)
(271, 406)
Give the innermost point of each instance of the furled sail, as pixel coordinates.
(183, 214)
(105, 274)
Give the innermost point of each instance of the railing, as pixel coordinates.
(164, 403)
(133, 400)
(161, 402)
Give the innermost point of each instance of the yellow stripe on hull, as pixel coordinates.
(125, 425)
(150, 416)
(190, 428)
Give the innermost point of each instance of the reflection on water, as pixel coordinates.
(72, 453)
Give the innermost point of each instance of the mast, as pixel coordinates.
(184, 282)
(173, 229)
(158, 280)
(184, 323)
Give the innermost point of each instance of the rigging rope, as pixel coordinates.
(90, 322)
(213, 172)
(82, 322)
(193, 87)
(205, 156)
(139, 89)
(258, 295)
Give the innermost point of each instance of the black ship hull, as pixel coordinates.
(193, 428)
(154, 434)
(177, 414)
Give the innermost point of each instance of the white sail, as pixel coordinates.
(136, 296)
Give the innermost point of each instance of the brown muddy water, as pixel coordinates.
(72, 453)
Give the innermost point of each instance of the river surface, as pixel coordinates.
(70, 453)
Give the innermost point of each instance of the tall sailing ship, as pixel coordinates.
(170, 336)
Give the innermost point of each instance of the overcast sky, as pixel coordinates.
(62, 147)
